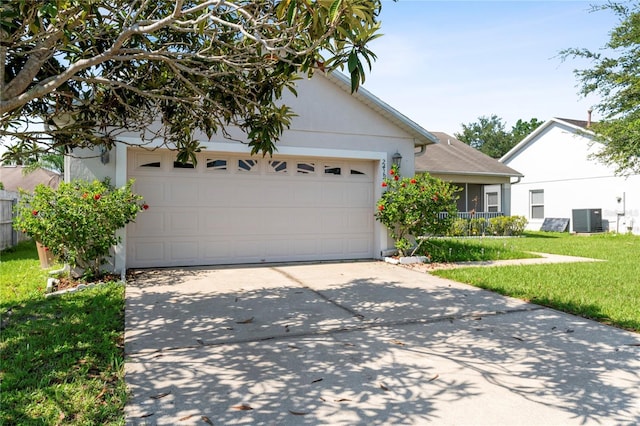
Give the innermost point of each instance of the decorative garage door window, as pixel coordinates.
(208, 162)
(330, 169)
(181, 165)
(148, 161)
(306, 168)
(277, 166)
(216, 164)
(247, 165)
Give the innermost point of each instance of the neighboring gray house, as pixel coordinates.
(485, 182)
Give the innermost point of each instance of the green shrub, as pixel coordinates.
(507, 225)
(411, 207)
(79, 220)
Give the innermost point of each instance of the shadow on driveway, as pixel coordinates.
(364, 343)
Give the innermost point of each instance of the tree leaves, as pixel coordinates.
(615, 76)
(114, 67)
(489, 136)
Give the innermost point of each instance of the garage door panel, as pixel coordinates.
(359, 245)
(151, 223)
(306, 192)
(217, 250)
(153, 192)
(183, 250)
(333, 195)
(218, 215)
(215, 222)
(183, 222)
(146, 251)
(183, 192)
(359, 221)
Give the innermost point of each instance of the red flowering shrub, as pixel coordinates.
(411, 208)
(78, 229)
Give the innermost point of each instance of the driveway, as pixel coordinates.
(364, 343)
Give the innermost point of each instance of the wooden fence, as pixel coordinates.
(9, 237)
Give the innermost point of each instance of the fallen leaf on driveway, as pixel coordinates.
(242, 407)
(433, 378)
(317, 380)
(247, 321)
(518, 338)
(206, 420)
(299, 413)
(383, 387)
(182, 419)
(397, 342)
(342, 400)
(200, 341)
(144, 416)
(160, 395)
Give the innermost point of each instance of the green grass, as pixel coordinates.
(605, 291)
(471, 249)
(61, 357)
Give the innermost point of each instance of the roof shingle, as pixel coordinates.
(451, 156)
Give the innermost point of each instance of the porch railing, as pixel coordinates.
(473, 215)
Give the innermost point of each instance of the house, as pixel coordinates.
(14, 178)
(485, 182)
(314, 199)
(561, 179)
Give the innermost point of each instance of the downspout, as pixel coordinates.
(423, 149)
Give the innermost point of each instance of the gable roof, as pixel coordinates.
(578, 123)
(420, 135)
(14, 179)
(452, 156)
(575, 126)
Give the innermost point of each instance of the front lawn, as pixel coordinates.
(605, 291)
(61, 357)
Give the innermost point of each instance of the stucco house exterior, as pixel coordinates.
(560, 177)
(485, 182)
(313, 200)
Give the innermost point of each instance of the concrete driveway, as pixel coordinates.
(364, 343)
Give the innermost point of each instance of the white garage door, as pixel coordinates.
(242, 209)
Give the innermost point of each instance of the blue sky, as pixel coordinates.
(443, 63)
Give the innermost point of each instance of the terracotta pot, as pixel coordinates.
(46, 257)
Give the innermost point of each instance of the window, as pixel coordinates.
(277, 166)
(247, 165)
(216, 164)
(537, 203)
(181, 165)
(332, 170)
(148, 161)
(492, 201)
(152, 164)
(357, 172)
(306, 168)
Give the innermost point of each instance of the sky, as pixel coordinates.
(445, 63)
